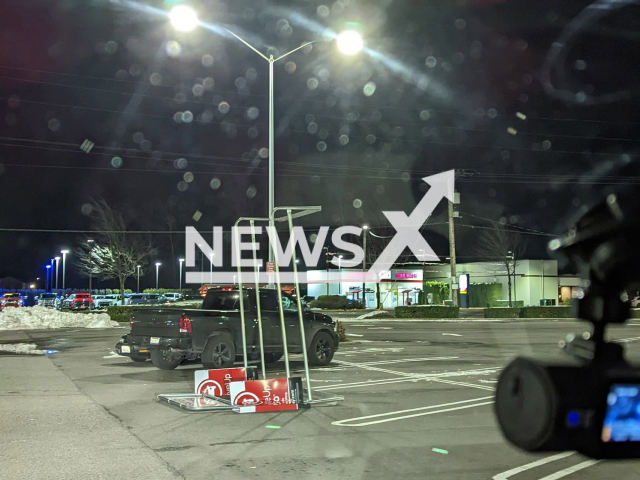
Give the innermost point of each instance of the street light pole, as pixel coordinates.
(90, 262)
(157, 273)
(64, 267)
(211, 268)
(48, 273)
(340, 274)
(185, 19)
(181, 260)
(365, 231)
(57, 259)
(138, 267)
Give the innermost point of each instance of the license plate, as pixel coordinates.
(154, 340)
(125, 349)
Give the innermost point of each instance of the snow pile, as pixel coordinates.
(22, 348)
(34, 318)
(374, 314)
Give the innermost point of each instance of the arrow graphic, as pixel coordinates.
(407, 227)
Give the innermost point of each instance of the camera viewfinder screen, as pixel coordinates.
(622, 418)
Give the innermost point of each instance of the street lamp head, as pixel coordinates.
(64, 252)
(349, 42)
(138, 266)
(48, 266)
(181, 260)
(365, 227)
(90, 240)
(340, 256)
(158, 264)
(183, 18)
(57, 258)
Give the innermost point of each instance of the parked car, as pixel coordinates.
(213, 334)
(82, 301)
(172, 296)
(65, 302)
(49, 300)
(104, 301)
(11, 300)
(146, 299)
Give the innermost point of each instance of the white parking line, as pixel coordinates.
(627, 340)
(570, 470)
(523, 468)
(463, 384)
(341, 423)
(354, 335)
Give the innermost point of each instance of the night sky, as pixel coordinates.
(179, 121)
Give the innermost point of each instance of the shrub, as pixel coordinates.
(502, 312)
(547, 312)
(505, 303)
(440, 291)
(484, 294)
(355, 305)
(336, 302)
(119, 314)
(427, 311)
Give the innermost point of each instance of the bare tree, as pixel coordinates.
(505, 247)
(115, 254)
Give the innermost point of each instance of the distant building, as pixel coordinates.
(10, 283)
(534, 281)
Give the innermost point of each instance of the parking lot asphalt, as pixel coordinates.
(417, 402)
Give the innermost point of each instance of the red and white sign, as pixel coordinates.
(271, 267)
(266, 395)
(215, 383)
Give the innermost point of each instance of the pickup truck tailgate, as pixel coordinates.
(153, 322)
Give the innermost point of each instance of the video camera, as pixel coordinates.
(590, 400)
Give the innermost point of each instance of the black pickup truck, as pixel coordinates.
(213, 333)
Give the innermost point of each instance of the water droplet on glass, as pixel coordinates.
(173, 48)
(182, 186)
(431, 62)
(290, 67)
(251, 191)
(252, 132)
(215, 183)
(369, 89)
(253, 113)
(188, 177)
(371, 139)
(344, 139)
(460, 24)
(322, 146)
(111, 47)
(424, 115)
(263, 152)
(224, 107)
(207, 60)
(323, 11)
(138, 137)
(116, 162)
(187, 116)
(312, 83)
(357, 203)
(197, 90)
(86, 209)
(54, 125)
(155, 79)
(405, 177)
(180, 163)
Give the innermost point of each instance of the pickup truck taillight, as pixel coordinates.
(185, 324)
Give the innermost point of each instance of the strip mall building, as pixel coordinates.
(534, 280)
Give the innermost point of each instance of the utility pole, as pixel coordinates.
(452, 255)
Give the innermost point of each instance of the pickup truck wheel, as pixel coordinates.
(272, 357)
(321, 350)
(219, 352)
(165, 360)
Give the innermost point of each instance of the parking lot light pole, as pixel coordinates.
(185, 19)
(57, 259)
(64, 268)
(92, 243)
(181, 260)
(340, 274)
(211, 268)
(48, 274)
(157, 273)
(138, 267)
(365, 231)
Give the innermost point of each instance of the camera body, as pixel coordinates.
(592, 408)
(588, 401)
